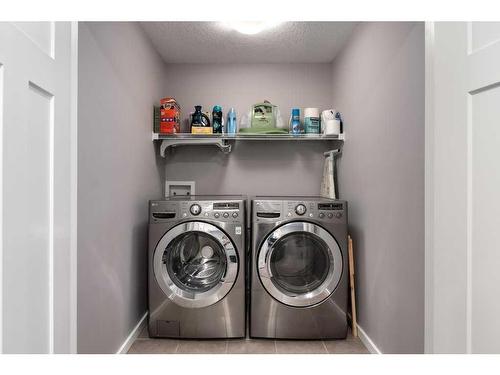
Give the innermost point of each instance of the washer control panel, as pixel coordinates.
(221, 211)
(230, 211)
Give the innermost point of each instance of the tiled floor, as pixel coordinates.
(144, 345)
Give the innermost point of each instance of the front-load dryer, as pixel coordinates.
(196, 267)
(299, 278)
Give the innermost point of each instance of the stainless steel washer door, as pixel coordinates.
(300, 264)
(195, 264)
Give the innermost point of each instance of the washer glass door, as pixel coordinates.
(300, 264)
(195, 264)
(195, 261)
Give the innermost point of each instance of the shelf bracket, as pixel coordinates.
(333, 152)
(223, 144)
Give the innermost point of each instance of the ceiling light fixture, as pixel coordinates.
(251, 27)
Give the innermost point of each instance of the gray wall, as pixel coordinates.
(120, 77)
(378, 84)
(252, 168)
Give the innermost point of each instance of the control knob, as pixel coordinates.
(300, 209)
(195, 209)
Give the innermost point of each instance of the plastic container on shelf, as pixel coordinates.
(312, 124)
(200, 122)
(263, 118)
(169, 116)
(295, 125)
(217, 120)
(231, 125)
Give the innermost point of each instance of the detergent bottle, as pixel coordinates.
(231, 122)
(217, 119)
(295, 126)
(200, 122)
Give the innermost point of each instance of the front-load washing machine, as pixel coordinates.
(299, 278)
(196, 267)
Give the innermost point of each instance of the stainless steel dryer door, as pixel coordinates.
(195, 264)
(300, 264)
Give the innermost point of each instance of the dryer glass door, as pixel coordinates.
(195, 264)
(300, 264)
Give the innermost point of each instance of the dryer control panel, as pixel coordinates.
(279, 210)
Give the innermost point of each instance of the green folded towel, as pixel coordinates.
(263, 130)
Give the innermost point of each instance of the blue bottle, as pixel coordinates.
(231, 126)
(295, 126)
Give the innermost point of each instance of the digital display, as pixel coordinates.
(226, 206)
(330, 206)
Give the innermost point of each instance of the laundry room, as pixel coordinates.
(211, 135)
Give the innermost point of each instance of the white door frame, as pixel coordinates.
(62, 282)
(1, 206)
(461, 183)
(429, 186)
(446, 305)
(73, 282)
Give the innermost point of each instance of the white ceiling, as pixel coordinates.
(212, 42)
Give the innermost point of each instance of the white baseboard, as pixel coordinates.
(365, 339)
(133, 335)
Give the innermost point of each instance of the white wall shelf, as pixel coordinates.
(223, 140)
